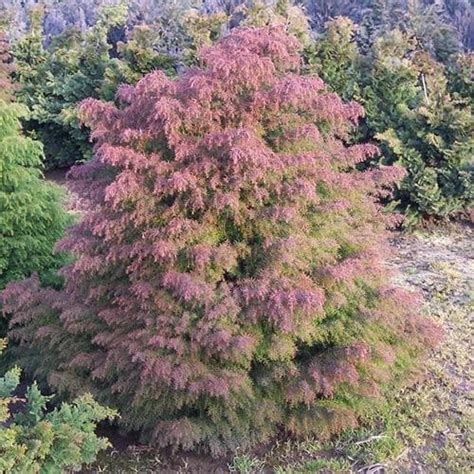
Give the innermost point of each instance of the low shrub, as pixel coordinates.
(33, 440)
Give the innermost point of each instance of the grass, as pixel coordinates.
(246, 464)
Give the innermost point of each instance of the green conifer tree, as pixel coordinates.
(31, 215)
(36, 441)
(6, 67)
(417, 111)
(54, 80)
(335, 58)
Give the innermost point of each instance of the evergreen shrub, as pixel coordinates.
(228, 280)
(32, 440)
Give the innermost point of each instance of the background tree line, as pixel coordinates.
(375, 15)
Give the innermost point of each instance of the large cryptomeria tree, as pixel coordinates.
(228, 280)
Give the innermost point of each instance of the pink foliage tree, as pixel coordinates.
(228, 279)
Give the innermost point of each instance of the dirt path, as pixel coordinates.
(441, 265)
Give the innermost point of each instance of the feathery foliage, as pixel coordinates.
(228, 280)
